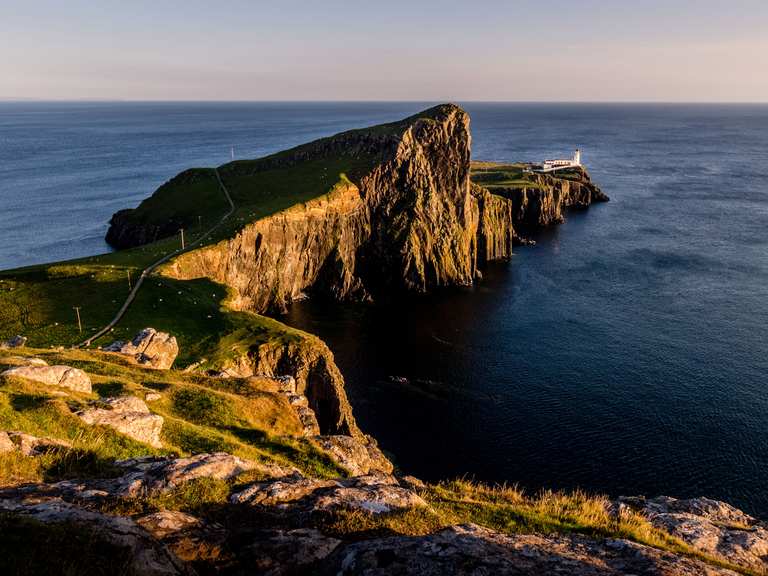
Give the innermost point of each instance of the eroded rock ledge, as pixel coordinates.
(287, 524)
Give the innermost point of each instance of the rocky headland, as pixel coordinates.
(248, 460)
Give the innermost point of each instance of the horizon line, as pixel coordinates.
(29, 100)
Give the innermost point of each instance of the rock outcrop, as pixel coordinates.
(280, 527)
(147, 557)
(58, 376)
(716, 528)
(359, 455)
(471, 550)
(311, 365)
(544, 201)
(158, 474)
(375, 493)
(128, 415)
(149, 348)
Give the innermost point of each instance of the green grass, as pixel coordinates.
(246, 418)
(191, 200)
(492, 175)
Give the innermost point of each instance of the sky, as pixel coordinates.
(426, 50)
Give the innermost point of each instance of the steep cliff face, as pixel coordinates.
(543, 203)
(311, 363)
(496, 233)
(424, 218)
(270, 262)
(407, 224)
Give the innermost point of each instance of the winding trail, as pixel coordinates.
(151, 268)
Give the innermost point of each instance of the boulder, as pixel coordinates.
(149, 348)
(358, 455)
(128, 415)
(282, 491)
(308, 419)
(714, 527)
(61, 376)
(472, 550)
(28, 444)
(152, 396)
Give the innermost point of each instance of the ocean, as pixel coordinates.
(625, 353)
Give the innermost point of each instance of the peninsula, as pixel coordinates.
(221, 441)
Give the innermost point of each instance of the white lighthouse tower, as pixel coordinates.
(577, 157)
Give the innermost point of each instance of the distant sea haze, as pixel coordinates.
(625, 353)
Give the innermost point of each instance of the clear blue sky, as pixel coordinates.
(674, 50)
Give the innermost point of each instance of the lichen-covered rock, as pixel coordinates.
(714, 527)
(61, 376)
(281, 491)
(158, 474)
(189, 538)
(376, 494)
(359, 455)
(147, 556)
(472, 550)
(167, 523)
(128, 415)
(28, 444)
(149, 348)
(151, 475)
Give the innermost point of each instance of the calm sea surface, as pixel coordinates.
(627, 352)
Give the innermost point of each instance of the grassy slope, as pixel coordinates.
(493, 175)
(246, 418)
(192, 199)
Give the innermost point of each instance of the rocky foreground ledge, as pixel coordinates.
(298, 504)
(289, 523)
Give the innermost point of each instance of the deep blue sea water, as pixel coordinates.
(627, 352)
